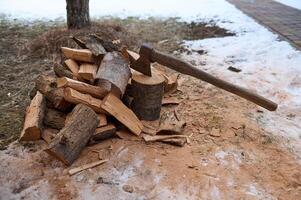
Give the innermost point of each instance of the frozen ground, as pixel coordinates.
(292, 3)
(269, 66)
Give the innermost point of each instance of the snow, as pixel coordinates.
(291, 3)
(269, 66)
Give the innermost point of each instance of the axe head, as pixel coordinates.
(143, 63)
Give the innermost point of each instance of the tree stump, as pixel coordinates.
(71, 140)
(147, 95)
(114, 69)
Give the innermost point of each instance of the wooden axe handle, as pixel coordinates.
(186, 68)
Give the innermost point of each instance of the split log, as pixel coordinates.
(83, 55)
(34, 119)
(127, 135)
(71, 140)
(103, 133)
(48, 87)
(95, 91)
(114, 69)
(102, 120)
(88, 71)
(73, 66)
(147, 96)
(109, 46)
(61, 71)
(54, 119)
(76, 97)
(49, 134)
(116, 108)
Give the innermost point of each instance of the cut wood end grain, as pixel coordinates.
(87, 71)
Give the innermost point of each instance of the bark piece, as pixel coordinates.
(114, 69)
(215, 132)
(170, 101)
(84, 55)
(49, 134)
(116, 108)
(73, 66)
(92, 44)
(95, 91)
(147, 96)
(34, 119)
(87, 71)
(86, 166)
(171, 127)
(103, 133)
(54, 119)
(176, 141)
(61, 71)
(102, 120)
(70, 141)
(76, 97)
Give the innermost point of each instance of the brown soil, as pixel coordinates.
(244, 162)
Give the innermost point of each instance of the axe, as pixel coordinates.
(148, 55)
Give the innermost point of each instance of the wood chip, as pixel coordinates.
(86, 166)
(215, 132)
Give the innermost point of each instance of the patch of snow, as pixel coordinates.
(253, 190)
(291, 3)
(229, 158)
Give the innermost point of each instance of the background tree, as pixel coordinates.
(77, 14)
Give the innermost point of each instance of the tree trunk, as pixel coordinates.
(77, 14)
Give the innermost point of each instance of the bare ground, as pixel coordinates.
(244, 162)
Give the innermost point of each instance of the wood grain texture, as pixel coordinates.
(83, 55)
(95, 91)
(114, 106)
(88, 71)
(114, 69)
(71, 140)
(33, 122)
(73, 96)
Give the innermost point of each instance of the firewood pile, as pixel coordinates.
(95, 95)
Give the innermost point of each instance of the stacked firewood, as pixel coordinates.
(94, 95)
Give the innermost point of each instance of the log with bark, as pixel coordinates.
(93, 44)
(33, 122)
(95, 91)
(73, 96)
(147, 95)
(114, 106)
(71, 140)
(54, 119)
(114, 69)
(55, 96)
(61, 71)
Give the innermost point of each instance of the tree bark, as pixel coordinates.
(71, 140)
(147, 96)
(54, 119)
(77, 14)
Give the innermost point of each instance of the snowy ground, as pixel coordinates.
(292, 3)
(269, 66)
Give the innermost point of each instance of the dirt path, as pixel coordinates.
(244, 162)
